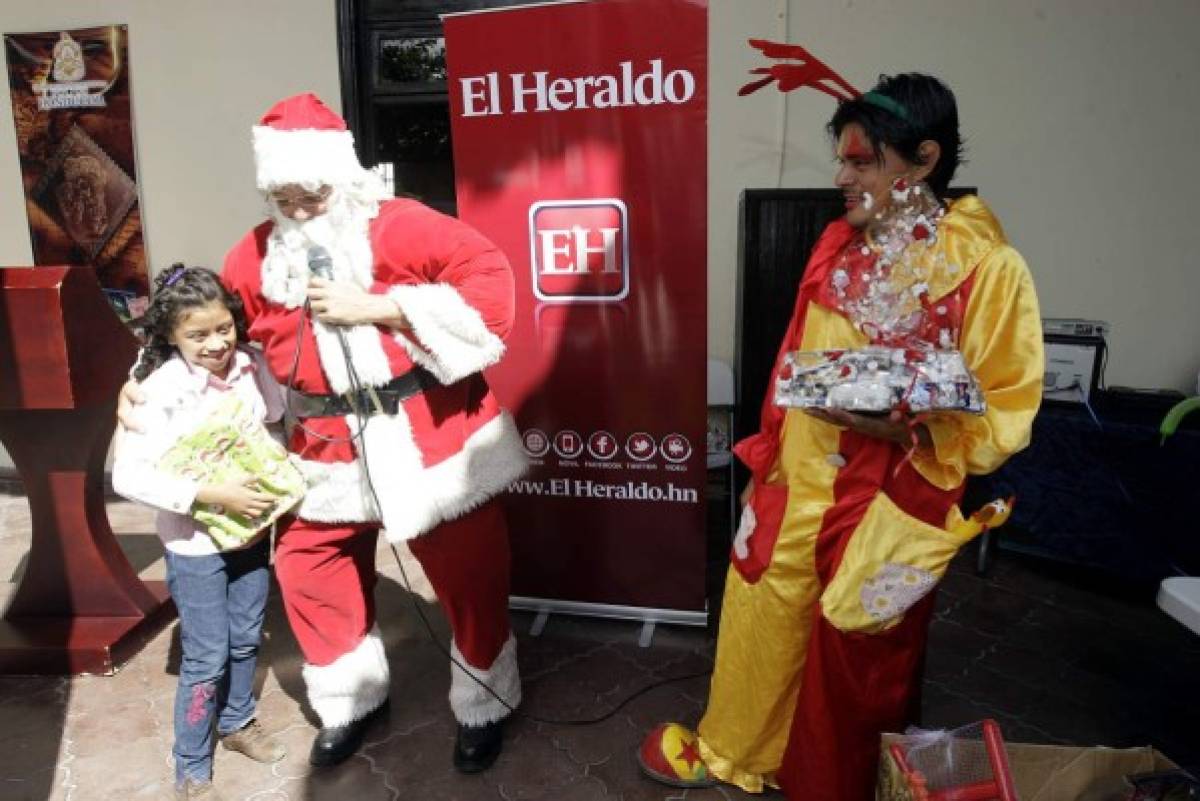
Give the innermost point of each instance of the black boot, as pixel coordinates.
(335, 744)
(476, 747)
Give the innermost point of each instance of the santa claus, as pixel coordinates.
(382, 357)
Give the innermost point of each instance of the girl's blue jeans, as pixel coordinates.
(221, 599)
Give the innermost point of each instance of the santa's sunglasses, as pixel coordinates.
(301, 200)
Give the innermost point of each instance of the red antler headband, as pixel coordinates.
(809, 72)
(813, 73)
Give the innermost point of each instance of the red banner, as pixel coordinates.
(580, 135)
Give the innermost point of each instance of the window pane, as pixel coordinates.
(415, 139)
(409, 60)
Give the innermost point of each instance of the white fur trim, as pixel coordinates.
(414, 498)
(397, 471)
(366, 354)
(304, 156)
(471, 704)
(452, 340)
(488, 463)
(336, 492)
(351, 686)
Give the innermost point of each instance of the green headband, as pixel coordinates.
(887, 104)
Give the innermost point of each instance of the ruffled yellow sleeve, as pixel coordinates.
(1001, 342)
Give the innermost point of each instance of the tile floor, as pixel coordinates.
(1053, 657)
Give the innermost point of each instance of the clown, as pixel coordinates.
(849, 520)
(397, 427)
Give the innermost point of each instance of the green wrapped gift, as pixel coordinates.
(231, 445)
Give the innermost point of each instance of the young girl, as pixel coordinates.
(190, 360)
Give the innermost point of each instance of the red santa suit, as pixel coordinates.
(430, 472)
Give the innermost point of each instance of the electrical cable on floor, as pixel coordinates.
(358, 391)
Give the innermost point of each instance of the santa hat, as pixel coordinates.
(301, 141)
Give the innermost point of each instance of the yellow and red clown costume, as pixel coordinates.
(436, 465)
(846, 536)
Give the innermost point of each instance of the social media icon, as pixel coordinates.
(535, 442)
(676, 448)
(640, 446)
(602, 445)
(568, 444)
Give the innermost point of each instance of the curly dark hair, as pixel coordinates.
(176, 290)
(932, 113)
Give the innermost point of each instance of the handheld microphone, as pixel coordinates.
(319, 262)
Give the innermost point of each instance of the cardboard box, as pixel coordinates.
(1047, 772)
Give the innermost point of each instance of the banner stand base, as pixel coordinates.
(647, 616)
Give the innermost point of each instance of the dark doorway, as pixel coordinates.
(392, 57)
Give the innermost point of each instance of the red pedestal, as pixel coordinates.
(80, 607)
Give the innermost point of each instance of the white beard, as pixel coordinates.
(343, 231)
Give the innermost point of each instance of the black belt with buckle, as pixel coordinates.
(390, 395)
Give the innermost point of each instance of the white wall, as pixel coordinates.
(1082, 133)
(202, 74)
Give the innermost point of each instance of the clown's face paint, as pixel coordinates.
(865, 181)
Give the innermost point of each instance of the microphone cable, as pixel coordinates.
(358, 390)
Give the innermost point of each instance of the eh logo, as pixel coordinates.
(579, 250)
